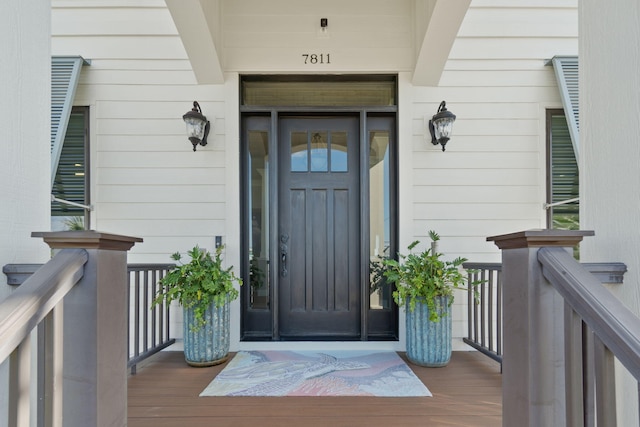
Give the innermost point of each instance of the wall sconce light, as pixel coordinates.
(197, 126)
(440, 125)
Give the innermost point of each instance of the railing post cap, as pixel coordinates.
(89, 239)
(539, 238)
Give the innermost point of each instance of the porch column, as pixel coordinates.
(94, 361)
(533, 392)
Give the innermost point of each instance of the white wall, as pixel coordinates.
(146, 179)
(24, 131)
(609, 131)
(148, 182)
(362, 35)
(24, 140)
(491, 179)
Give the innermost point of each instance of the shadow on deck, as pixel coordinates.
(165, 391)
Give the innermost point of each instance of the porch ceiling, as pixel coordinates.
(435, 26)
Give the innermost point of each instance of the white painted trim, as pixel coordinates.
(66, 202)
(440, 34)
(232, 191)
(405, 178)
(198, 38)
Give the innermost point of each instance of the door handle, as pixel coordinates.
(284, 250)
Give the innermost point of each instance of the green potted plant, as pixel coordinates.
(204, 289)
(425, 285)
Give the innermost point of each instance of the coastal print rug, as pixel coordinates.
(333, 373)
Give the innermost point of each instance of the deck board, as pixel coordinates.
(165, 393)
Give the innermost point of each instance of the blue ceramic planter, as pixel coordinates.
(429, 343)
(209, 345)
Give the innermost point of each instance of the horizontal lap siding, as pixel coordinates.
(147, 180)
(160, 210)
(362, 36)
(491, 179)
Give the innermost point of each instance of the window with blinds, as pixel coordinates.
(562, 174)
(72, 174)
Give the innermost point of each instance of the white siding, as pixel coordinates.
(25, 149)
(362, 36)
(147, 181)
(610, 191)
(25, 138)
(491, 179)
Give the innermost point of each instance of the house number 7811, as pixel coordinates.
(316, 58)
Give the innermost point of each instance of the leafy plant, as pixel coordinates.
(256, 275)
(198, 284)
(74, 223)
(377, 269)
(422, 277)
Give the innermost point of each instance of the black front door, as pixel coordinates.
(318, 228)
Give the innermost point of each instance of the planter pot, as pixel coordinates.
(429, 343)
(209, 345)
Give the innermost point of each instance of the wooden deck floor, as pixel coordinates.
(465, 393)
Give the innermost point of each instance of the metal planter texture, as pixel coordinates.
(209, 345)
(429, 343)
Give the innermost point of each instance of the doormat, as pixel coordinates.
(335, 373)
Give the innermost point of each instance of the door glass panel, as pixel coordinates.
(339, 152)
(319, 152)
(259, 208)
(380, 231)
(299, 153)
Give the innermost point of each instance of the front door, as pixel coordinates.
(319, 228)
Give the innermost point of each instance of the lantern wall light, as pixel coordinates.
(440, 125)
(197, 126)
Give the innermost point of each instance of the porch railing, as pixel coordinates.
(484, 314)
(73, 301)
(148, 328)
(598, 328)
(35, 306)
(148, 331)
(562, 332)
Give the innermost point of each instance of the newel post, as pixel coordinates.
(533, 392)
(94, 360)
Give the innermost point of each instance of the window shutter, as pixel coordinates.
(566, 68)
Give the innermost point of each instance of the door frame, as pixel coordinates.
(269, 118)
